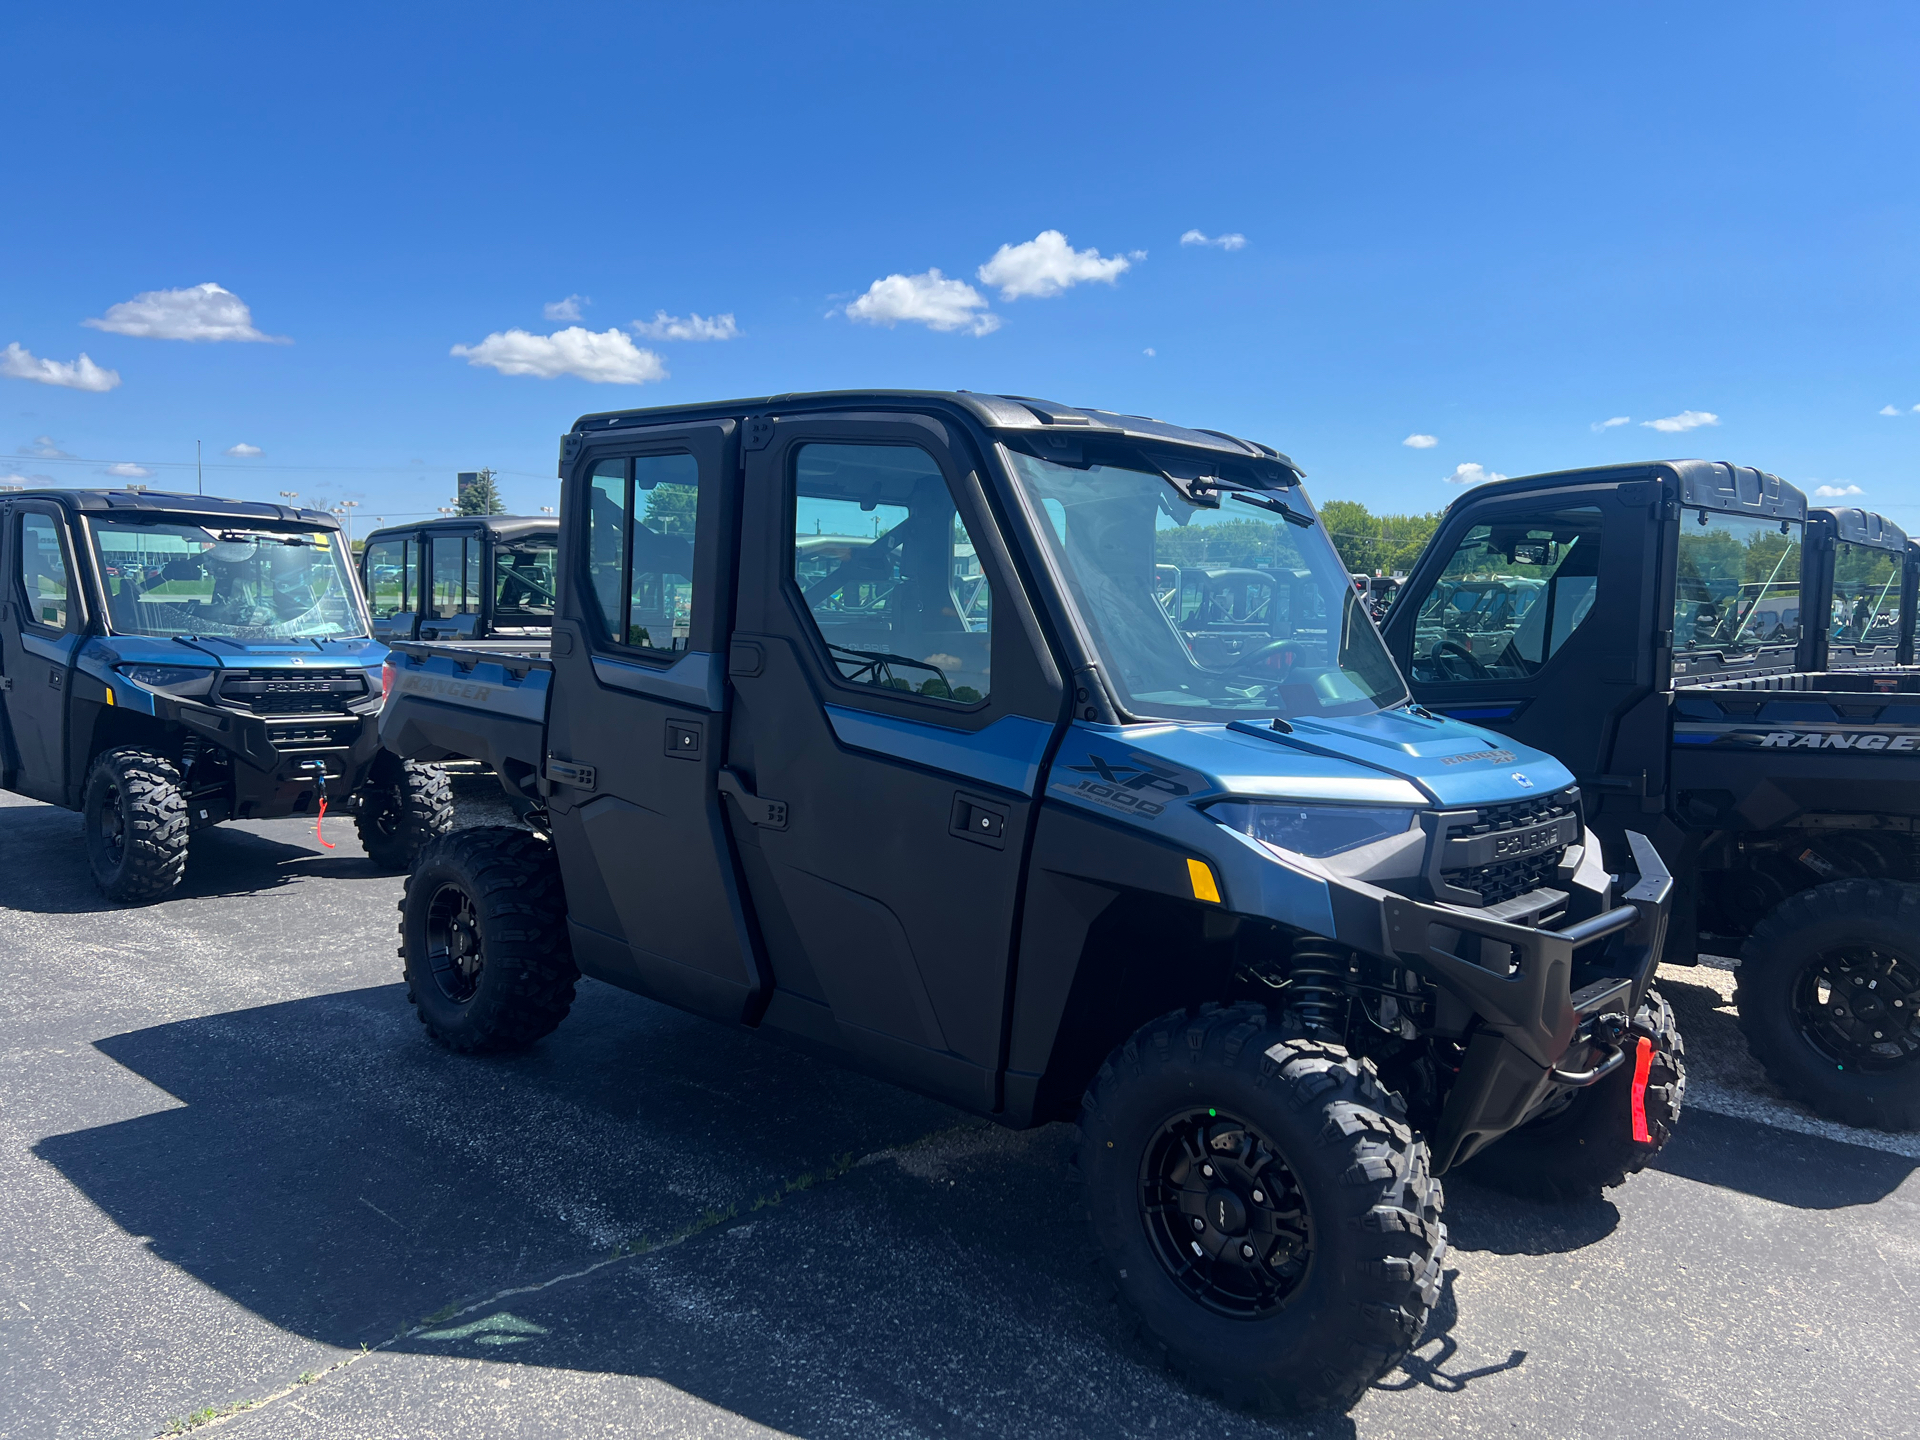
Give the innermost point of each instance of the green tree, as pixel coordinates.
(671, 508)
(482, 497)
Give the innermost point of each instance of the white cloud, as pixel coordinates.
(18, 363)
(1685, 420)
(1047, 265)
(1420, 442)
(567, 309)
(1235, 241)
(1836, 492)
(695, 327)
(1600, 425)
(1471, 474)
(1148, 351)
(199, 312)
(127, 471)
(31, 481)
(608, 358)
(44, 447)
(930, 299)
(1916, 409)
(1893, 409)
(244, 451)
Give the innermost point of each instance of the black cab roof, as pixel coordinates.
(1003, 414)
(155, 504)
(504, 527)
(1853, 526)
(1703, 485)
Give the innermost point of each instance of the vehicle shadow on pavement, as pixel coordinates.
(222, 861)
(1806, 1171)
(809, 1248)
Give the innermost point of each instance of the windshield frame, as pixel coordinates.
(1171, 471)
(345, 565)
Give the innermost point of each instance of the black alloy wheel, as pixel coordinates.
(1224, 1214)
(1858, 1006)
(454, 950)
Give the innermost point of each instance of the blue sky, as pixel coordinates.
(1499, 226)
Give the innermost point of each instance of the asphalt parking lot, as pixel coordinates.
(237, 1174)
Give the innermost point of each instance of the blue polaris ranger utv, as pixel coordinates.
(1046, 760)
(168, 662)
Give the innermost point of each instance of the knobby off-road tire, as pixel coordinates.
(483, 939)
(1828, 990)
(135, 820)
(403, 807)
(1346, 1229)
(1589, 1144)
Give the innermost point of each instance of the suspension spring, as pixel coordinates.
(1321, 972)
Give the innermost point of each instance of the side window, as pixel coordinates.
(387, 577)
(43, 571)
(888, 572)
(1512, 593)
(641, 520)
(523, 582)
(455, 565)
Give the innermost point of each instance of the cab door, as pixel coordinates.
(893, 706)
(38, 638)
(1534, 615)
(391, 571)
(638, 711)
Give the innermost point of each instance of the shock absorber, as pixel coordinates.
(1320, 970)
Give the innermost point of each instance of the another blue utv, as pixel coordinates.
(168, 662)
(1047, 761)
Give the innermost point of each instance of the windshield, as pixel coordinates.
(1738, 586)
(1201, 613)
(523, 583)
(1866, 597)
(242, 584)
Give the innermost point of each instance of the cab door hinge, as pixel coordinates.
(767, 814)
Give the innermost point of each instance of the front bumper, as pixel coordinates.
(1536, 992)
(285, 756)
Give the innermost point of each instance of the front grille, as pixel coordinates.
(1540, 828)
(292, 692)
(311, 737)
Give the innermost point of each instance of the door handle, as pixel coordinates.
(767, 814)
(978, 820)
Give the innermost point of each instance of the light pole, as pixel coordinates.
(345, 511)
(449, 509)
(289, 496)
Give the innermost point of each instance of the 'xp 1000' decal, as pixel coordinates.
(1896, 741)
(1139, 784)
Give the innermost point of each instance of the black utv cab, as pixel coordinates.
(466, 577)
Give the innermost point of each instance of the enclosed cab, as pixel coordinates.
(1046, 760)
(1717, 666)
(168, 662)
(465, 577)
(1861, 579)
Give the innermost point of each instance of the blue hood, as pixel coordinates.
(1390, 758)
(110, 650)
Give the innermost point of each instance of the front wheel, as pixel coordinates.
(483, 938)
(402, 807)
(1263, 1209)
(1829, 996)
(1595, 1137)
(136, 825)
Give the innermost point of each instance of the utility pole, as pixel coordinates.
(345, 511)
(199, 474)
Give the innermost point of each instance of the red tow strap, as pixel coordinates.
(330, 845)
(1640, 1069)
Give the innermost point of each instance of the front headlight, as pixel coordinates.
(170, 679)
(1313, 829)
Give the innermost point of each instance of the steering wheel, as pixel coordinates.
(1479, 671)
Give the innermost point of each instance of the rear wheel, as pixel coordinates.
(136, 825)
(402, 807)
(1829, 998)
(1591, 1140)
(1264, 1211)
(483, 938)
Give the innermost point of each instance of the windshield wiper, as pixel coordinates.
(1273, 505)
